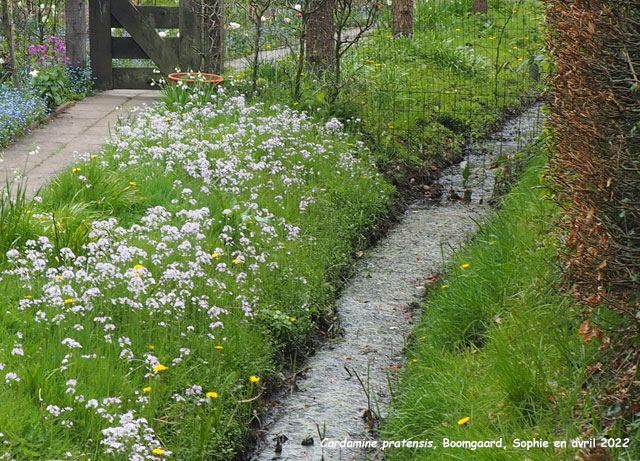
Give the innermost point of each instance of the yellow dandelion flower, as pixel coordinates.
(493, 242)
(218, 347)
(213, 395)
(296, 103)
(492, 38)
(168, 119)
(215, 255)
(377, 64)
(151, 347)
(293, 319)
(515, 47)
(391, 127)
(457, 29)
(59, 277)
(28, 211)
(465, 265)
(464, 420)
(445, 286)
(75, 170)
(236, 261)
(157, 451)
(160, 367)
(94, 156)
(28, 297)
(146, 389)
(68, 300)
(132, 183)
(254, 379)
(138, 266)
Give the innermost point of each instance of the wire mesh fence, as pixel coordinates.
(458, 77)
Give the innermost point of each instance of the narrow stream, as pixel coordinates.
(377, 310)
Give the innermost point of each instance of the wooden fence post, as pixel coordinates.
(190, 35)
(75, 13)
(100, 43)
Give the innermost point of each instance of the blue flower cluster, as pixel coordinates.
(80, 82)
(18, 110)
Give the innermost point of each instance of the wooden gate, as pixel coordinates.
(143, 42)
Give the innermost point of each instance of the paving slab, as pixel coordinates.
(83, 127)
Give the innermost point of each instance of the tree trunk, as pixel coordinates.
(320, 35)
(213, 11)
(256, 57)
(75, 12)
(402, 13)
(301, 58)
(480, 6)
(9, 33)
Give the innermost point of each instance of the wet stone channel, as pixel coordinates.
(378, 309)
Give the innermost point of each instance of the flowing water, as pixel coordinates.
(345, 384)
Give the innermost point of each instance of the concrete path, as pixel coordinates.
(275, 54)
(84, 127)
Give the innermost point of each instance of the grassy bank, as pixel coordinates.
(150, 290)
(497, 354)
(153, 291)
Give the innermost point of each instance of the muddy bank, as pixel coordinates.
(345, 385)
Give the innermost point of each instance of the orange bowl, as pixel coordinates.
(192, 77)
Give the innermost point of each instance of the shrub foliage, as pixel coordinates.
(595, 166)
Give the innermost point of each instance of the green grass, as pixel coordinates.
(159, 251)
(417, 100)
(208, 238)
(498, 343)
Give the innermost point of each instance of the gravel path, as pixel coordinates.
(377, 310)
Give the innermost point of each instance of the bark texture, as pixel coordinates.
(402, 12)
(213, 11)
(9, 33)
(320, 35)
(480, 6)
